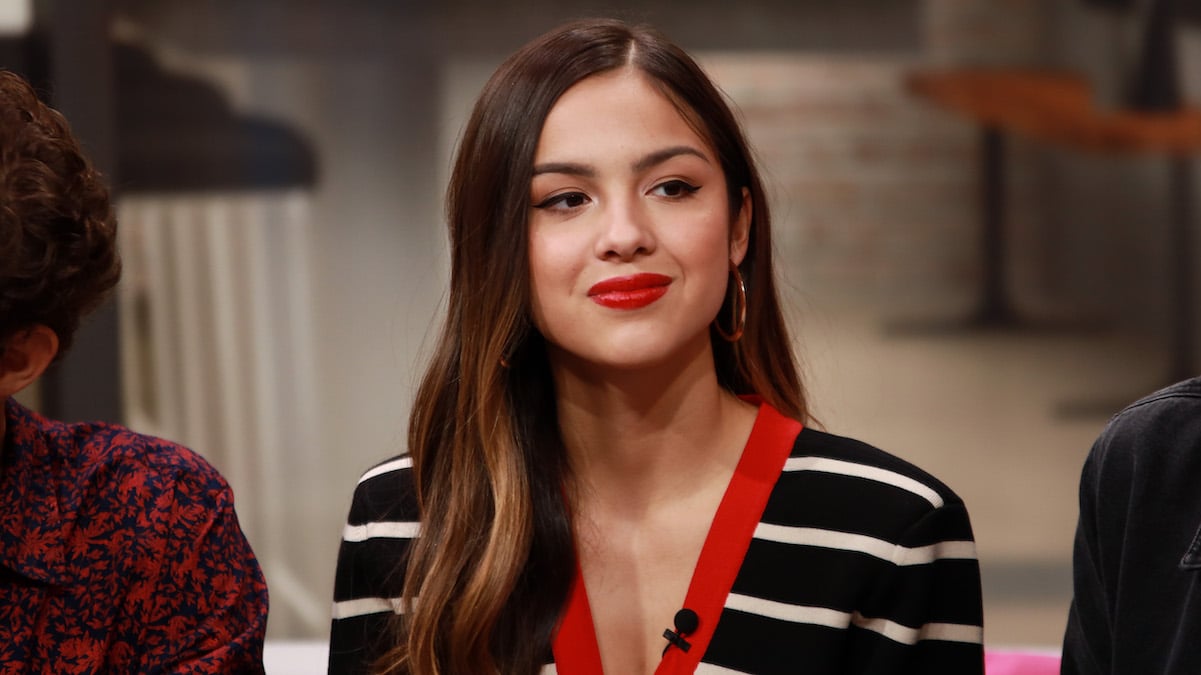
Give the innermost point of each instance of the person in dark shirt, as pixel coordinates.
(1137, 561)
(119, 553)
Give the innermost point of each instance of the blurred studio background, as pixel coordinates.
(985, 213)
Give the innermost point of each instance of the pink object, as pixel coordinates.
(1001, 662)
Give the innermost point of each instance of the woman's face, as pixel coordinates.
(630, 231)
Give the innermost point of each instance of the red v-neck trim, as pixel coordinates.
(575, 649)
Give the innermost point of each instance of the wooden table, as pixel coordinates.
(1057, 107)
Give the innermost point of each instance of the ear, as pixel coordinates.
(740, 229)
(25, 358)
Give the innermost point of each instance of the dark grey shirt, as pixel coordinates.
(1137, 562)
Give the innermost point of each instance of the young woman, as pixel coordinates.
(609, 469)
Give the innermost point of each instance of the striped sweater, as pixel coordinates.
(826, 555)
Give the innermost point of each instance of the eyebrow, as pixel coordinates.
(642, 164)
(667, 153)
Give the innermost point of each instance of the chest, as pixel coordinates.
(636, 583)
(637, 570)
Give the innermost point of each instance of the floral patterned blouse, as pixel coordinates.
(120, 553)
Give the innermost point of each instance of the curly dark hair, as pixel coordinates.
(58, 251)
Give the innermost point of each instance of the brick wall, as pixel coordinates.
(873, 191)
(986, 32)
(876, 192)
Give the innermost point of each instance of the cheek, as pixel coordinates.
(550, 274)
(712, 255)
(537, 278)
(717, 282)
(710, 243)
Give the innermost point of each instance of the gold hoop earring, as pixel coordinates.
(738, 308)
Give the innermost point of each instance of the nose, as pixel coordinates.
(626, 231)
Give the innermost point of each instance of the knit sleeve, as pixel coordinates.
(926, 614)
(369, 581)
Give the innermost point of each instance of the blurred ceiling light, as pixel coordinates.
(16, 17)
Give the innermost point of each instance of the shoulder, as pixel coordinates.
(369, 579)
(1186, 393)
(887, 540)
(1151, 446)
(838, 483)
(99, 461)
(1166, 418)
(110, 455)
(385, 492)
(868, 465)
(384, 519)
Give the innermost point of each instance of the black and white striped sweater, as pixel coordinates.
(825, 556)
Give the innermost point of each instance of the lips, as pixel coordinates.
(632, 292)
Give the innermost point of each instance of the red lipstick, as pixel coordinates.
(632, 292)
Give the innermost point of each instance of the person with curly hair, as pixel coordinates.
(119, 552)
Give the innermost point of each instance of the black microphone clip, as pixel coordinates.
(686, 622)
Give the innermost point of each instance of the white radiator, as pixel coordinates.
(217, 349)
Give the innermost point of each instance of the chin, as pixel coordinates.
(631, 347)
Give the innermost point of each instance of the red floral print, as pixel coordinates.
(120, 553)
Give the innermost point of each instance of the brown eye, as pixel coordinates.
(563, 201)
(674, 189)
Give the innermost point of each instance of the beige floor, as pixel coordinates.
(988, 412)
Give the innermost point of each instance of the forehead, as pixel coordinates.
(612, 112)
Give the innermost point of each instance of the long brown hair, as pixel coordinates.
(490, 573)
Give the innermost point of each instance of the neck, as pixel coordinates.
(638, 437)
